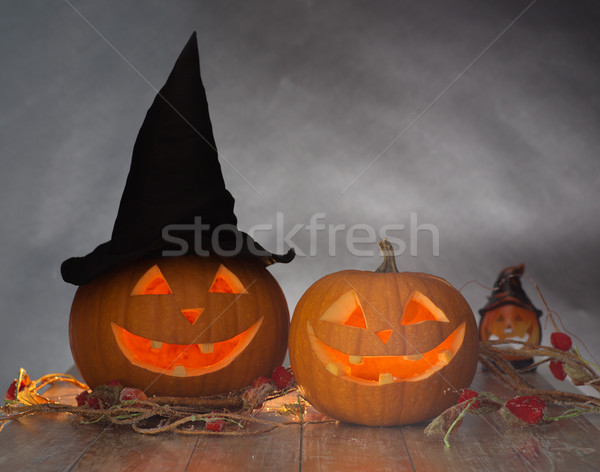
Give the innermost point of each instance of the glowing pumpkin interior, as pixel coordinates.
(380, 370)
(183, 360)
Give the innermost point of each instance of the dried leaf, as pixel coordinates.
(440, 425)
(296, 409)
(577, 374)
(486, 406)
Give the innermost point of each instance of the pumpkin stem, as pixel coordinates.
(389, 261)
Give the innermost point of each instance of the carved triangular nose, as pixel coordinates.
(192, 314)
(384, 335)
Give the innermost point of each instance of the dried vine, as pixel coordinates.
(580, 371)
(530, 406)
(226, 415)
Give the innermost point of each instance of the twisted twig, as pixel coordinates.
(493, 359)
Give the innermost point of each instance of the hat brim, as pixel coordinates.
(81, 270)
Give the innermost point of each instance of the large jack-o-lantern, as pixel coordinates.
(383, 348)
(181, 326)
(184, 325)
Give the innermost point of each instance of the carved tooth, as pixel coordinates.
(445, 355)
(206, 348)
(414, 357)
(355, 359)
(333, 368)
(386, 378)
(156, 344)
(179, 371)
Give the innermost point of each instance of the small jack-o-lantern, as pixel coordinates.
(383, 348)
(510, 315)
(180, 326)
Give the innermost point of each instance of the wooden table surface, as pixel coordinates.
(52, 443)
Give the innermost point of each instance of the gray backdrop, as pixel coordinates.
(484, 114)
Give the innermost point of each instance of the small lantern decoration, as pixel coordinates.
(383, 348)
(510, 315)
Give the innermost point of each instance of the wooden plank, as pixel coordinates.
(558, 446)
(50, 442)
(476, 446)
(122, 449)
(482, 443)
(46, 442)
(345, 447)
(278, 449)
(571, 444)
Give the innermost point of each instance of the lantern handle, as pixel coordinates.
(388, 266)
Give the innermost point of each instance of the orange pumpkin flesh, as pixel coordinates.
(373, 370)
(404, 362)
(181, 359)
(181, 326)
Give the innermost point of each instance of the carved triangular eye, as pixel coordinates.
(226, 281)
(346, 310)
(420, 308)
(153, 282)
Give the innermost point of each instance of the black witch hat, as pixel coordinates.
(175, 179)
(509, 291)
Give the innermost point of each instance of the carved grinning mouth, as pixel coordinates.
(182, 360)
(380, 370)
(509, 338)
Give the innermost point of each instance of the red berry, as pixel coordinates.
(556, 367)
(88, 399)
(93, 402)
(82, 398)
(259, 381)
(216, 425)
(529, 408)
(467, 395)
(114, 382)
(561, 341)
(131, 393)
(282, 378)
(258, 391)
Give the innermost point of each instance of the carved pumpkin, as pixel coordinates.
(180, 326)
(510, 315)
(383, 348)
